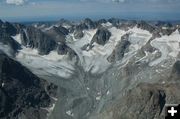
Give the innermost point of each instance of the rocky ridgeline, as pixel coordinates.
(22, 94)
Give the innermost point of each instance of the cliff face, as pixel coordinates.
(21, 92)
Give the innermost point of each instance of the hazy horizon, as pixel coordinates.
(52, 10)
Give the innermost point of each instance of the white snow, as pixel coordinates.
(108, 24)
(168, 46)
(51, 64)
(49, 109)
(6, 49)
(95, 60)
(2, 85)
(138, 38)
(98, 97)
(17, 38)
(69, 112)
(108, 92)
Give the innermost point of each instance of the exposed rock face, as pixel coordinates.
(37, 39)
(21, 92)
(7, 28)
(144, 101)
(89, 23)
(176, 71)
(114, 21)
(101, 37)
(58, 33)
(144, 25)
(167, 31)
(127, 25)
(120, 49)
(101, 21)
(63, 49)
(86, 24)
(163, 24)
(78, 34)
(9, 41)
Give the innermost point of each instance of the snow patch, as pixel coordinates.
(17, 38)
(69, 112)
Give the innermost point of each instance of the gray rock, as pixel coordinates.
(34, 38)
(9, 41)
(101, 21)
(63, 49)
(21, 92)
(85, 24)
(58, 33)
(146, 26)
(101, 37)
(8, 29)
(114, 21)
(120, 49)
(78, 34)
(175, 71)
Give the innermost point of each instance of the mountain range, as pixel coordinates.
(104, 69)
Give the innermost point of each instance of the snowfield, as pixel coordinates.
(51, 64)
(95, 60)
(168, 46)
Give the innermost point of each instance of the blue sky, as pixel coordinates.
(32, 10)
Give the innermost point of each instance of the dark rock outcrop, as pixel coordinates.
(175, 74)
(21, 92)
(145, 26)
(89, 23)
(63, 49)
(8, 29)
(101, 37)
(10, 42)
(78, 34)
(35, 38)
(58, 33)
(114, 21)
(101, 21)
(120, 49)
(145, 101)
(86, 24)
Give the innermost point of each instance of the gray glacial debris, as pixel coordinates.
(144, 101)
(101, 37)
